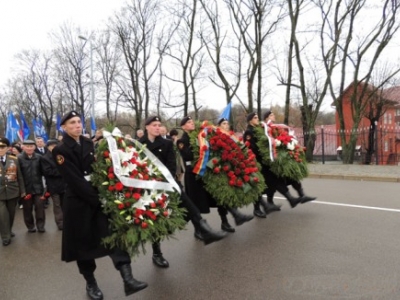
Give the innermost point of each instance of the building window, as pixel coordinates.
(389, 118)
(391, 145)
(385, 118)
(398, 112)
(385, 146)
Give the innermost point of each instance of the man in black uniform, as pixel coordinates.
(195, 188)
(164, 150)
(269, 119)
(272, 181)
(85, 224)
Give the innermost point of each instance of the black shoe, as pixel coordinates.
(93, 291)
(271, 207)
(259, 213)
(225, 226)
(208, 234)
(160, 261)
(305, 199)
(197, 235)
(32, 230)
(12, 234)
(131, 285)
(42, 230)
(240, 219)
(6, 242)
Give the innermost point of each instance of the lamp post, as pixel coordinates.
(91, 81)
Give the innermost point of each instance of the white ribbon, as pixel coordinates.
(270, 140)
(139, 183)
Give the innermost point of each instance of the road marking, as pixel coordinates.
(352, 205)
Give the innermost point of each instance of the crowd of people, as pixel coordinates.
(34, 171)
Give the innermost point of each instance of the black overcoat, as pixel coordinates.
(194, 187)
(55, 183)
(85, 224)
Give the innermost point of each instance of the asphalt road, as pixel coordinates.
(346, 245)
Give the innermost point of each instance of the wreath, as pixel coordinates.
(141, 204)
(228, 168)
(288, 157)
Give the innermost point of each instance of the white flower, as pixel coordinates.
(278, 143)
(290, 146)
(124, 156)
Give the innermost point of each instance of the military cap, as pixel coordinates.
(52, 142)
(4, 141)
(69, 115)
(28, 142)
(250, 116)
(185, 120)
(267, 113)
(222, 120)
(152, 119)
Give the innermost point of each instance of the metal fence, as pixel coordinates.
(386, 144)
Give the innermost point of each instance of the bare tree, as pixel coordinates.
(356, 55)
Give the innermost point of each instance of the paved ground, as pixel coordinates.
(340, 247)
(337, 170)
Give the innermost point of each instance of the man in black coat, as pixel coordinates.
(272, 181)
(29, 163)
(85, 224)
(55, 183)
(163, 149)
(40, 146)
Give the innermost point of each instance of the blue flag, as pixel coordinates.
(39, 129)
(24, 131)
(12, 128)
(226, 112)
(83, 124)
(58, 123)
(93, 125)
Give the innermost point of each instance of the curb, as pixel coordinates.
(354, 177)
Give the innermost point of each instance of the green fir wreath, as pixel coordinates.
(136, 215)
(232, 175)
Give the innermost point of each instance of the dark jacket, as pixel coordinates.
(163, 149)
(11, 179)
(54, 181)
(194, 187)
(248, 136)
(85, 224)
(31, 171)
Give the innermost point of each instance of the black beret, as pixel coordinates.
(267, 113)
(52, 142)
(222, 120)
(28, 142)
(69, 115)
(250, 116)
(173, 132)
(151, 119)
(185, 120)
(4, 141)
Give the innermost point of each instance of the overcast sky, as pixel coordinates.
(25, 24)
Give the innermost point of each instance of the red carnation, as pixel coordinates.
(121, 206)
(127, 204)
(136, 196)
(165, 213)
(144, 225)
(203, 134)
(119, 186)
(226, 168)
(255, 179)
(216, 170)
(137, 221)
(111, 175)
(215, 161)
(106, 153)
(127, 195)
(152, 205)
(111, 188)
(204, 148)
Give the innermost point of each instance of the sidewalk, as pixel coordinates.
(337, 170)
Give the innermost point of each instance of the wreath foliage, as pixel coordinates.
(232, 175)
(289, 157)
(136, 215)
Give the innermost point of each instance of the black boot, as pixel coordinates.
(92, 289)
(257, 210)
(208, 234)
(198, 235)
(131, 285)
(269, 205)
(239, 217)
(225, 226)
(293, 201)
(303, 197)
(158, 258)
